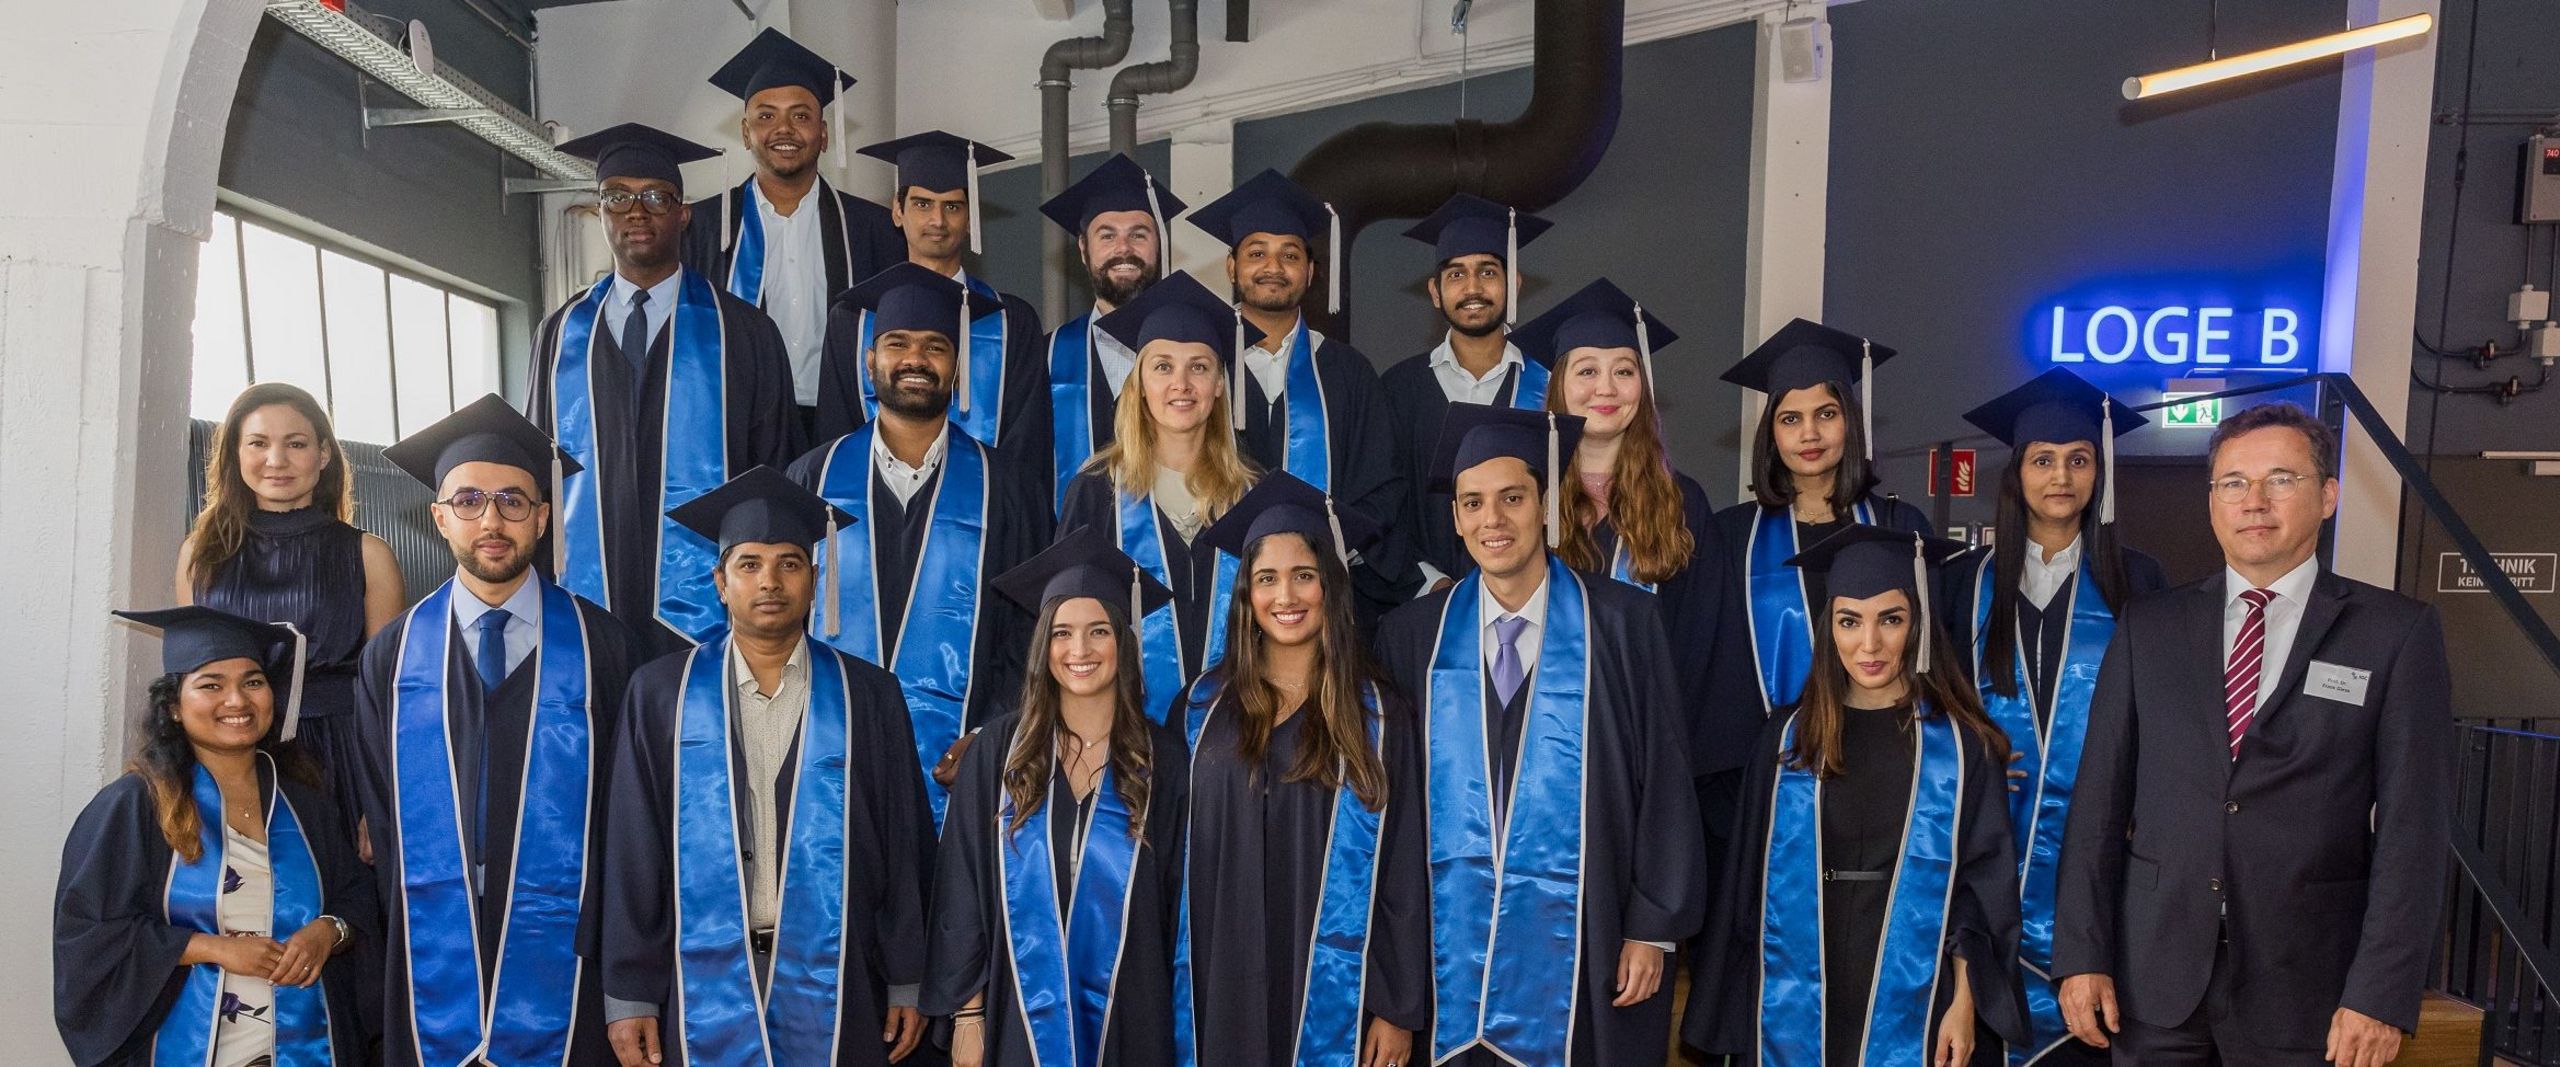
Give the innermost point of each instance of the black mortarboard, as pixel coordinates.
(193, 636)
(1119, 184)
(1284, 503)
(1179, 308)
(2059, 407)
(1270, 203)
(764, 507)
(1861, 561)
(911, 296)
(1600, 315)
(486, 430)
(1473, 434)
(1804, 354)
(1084, 563)
(632, 150)
(1470, 225)
(774, 60)
(938, 162)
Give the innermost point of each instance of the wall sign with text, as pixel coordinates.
(2177, 335)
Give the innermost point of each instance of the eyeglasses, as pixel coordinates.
(469, 504)
(654, 201)
(2279, 486)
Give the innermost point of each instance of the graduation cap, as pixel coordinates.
(486, 430)
(911, 296)
(1600, 315)
(1084, 563)
(1862, 561)
(2059, 407)
(773, 60)
(938, 162)
(1119, 184)
(632, 150)
(1470, 225)
(1804, 354)
(1474, 434)
(1270, 203)
(763, 507)
(193, 636)
(1179, 308)
(1284, 503)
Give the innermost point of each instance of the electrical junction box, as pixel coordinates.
(2541, 179)
(2543, 342)
(2527, 306)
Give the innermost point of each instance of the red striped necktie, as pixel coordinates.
(2240, 672)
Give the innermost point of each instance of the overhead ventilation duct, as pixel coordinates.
(1057, 65)
(443, 97)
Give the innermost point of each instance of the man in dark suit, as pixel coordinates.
(2253, 865)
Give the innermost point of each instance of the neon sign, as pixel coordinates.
(2175, 334)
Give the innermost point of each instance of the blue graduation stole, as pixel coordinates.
(533, 1006)
(1774, 605)
(1529, 386)
(723, 1017)
(1506, 938)
(2037, 814)
(693, 455)
(988, 333)
(940, 629)
(746, 260)
(1329, 1010)
(301, 1014)
(1622, 566)
(1900, 1003)
(1070, 402)
(1309, 451)
(1160, 634)
(1065, 966)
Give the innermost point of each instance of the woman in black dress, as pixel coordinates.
(204, 893)
(1875, 918)
(1306, 932)
(1060, 862)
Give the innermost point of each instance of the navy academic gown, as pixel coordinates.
(888, 849)
(496, 726)
(1735, 523)
(1701, 615)
(1863, 822)
(1361, 446)
(859, 238)
(630, 418)
(1191, 570)
(115, 955)
(1022, 436)
(970, 955)
(2043, 632)
(1415, 407)
(1643, 874)
(1101, 405)
(1255, 862)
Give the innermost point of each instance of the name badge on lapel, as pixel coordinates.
(2344, 684)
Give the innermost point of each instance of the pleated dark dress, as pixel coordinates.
(307, 568)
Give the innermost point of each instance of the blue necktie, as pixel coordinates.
(635, 330)
(1507, 674)
(492, 659)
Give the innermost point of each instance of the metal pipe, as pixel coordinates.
(1165, 76)
(1062, 58)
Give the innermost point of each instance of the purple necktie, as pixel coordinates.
(1506, 659)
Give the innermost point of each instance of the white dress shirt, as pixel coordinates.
(767, 723)
(2042, 578)
(1465, 388)
(901, 478)
(1116, 358)
(662, 306)
(1490, 611)
(523, 631)
(1270, 365)
(2284, 619)
(795, 284)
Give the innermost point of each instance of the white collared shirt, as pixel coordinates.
(1465, 388)
(767, 724)
(1490, 611)
(1270, 365)
(795, 283)
(662, 306)
(902, 479)
(2041, 578)
(2284, 619)
(524, 621)
(1116, 358)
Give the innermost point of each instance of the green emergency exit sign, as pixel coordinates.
(2207, 412)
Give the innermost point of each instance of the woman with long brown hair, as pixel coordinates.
(1052, 923)
(1172, 468)
(1877, 920)
(1305, 934)
(275, 540)
(204, 893)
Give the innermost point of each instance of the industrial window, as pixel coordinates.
(385, 351)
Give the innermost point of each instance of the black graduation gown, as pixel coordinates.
(1643, 875)
(115, 955)
(1366, 476)
(763, 429)
(888, 849)
(1191, 569)
(1415, 407)
(859, 237)
(1701, 615)
(1255, 862)
(1101, 407)
(498, 724)
(1736, 521)
(1022, 437)
(2044, 632)
(1017, 529)
(1862, 826)
(969, 954)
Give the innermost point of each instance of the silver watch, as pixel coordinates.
(346, 933)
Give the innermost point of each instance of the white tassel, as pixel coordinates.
(962, 363)
(559, 540)
(1235, 371)
(835, 137)
(835, 614)
(1511, 269)
(1164, 233)
(1867, 394)
(1920, 584)
(1333, 522)
(293, 699)
(1333, 261)
(1644, 345)
(1555, 481)
(972, 162)
(2107, 445)
(1137, 597)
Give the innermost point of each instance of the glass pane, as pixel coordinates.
(418, 350)
(284, 309)
(475, 348)
(222, 352)
(359, 349)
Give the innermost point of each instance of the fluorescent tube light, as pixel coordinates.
(2170, 81)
